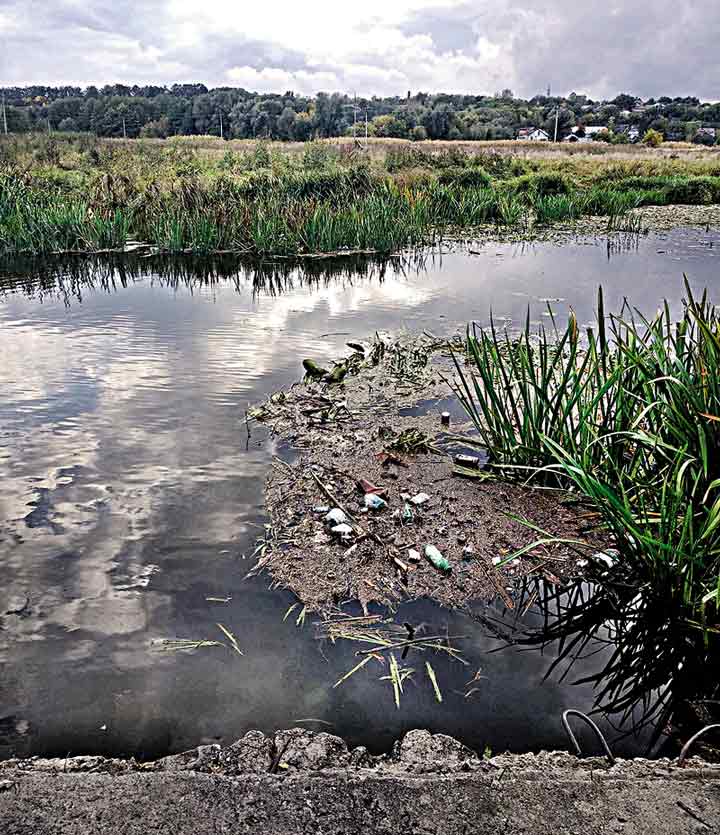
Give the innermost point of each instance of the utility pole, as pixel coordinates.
(221, 126)
(4, 114)
(557, 113)
(124, 130)
(366, 124)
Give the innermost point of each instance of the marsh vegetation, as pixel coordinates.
(626, 416)
(80, 194)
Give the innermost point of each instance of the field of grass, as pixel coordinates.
(627, 417)
(77, 193)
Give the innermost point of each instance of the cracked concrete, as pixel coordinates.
(298, 781)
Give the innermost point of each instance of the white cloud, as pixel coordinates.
(372, 48)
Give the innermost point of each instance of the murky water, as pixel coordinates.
(130, 494)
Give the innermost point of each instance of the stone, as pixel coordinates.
(202, 758)
(252, 754)
(302, 749)
(420, 751)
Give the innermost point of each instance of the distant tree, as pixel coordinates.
(302, 127)
(18, 119)
(652, 138)
(157, 129)
(691, 129)
(438, 121)
(389, 126)
(286, 124)
(565, 120)
(624, 101)
(419, 134)
(703, 139)
(68, 125)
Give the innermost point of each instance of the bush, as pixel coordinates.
(465, 177)
(419, 134)
(542, 185)
(68, 126)
(652, 138)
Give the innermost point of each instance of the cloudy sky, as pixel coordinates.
(600, 47)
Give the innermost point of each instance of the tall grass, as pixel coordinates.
(627, 415)
(82, 194)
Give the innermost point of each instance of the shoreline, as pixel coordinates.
(297, 781)
(659, 219)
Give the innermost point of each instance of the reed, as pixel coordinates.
(627, 416)
(81, 194)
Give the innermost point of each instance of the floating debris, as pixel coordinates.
(608, 557)
(335, 517)
(433, 679)
(388, 458)
(337, 375)
(374, 502)
(313, 370)
(436, 558)
(470, 462)
(412, 441)
(445, 418)
(365, 486)
(343, 531)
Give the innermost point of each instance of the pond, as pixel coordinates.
(132, 496)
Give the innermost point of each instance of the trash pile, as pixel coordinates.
(386, 498)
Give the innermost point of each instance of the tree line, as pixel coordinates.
(235, 113)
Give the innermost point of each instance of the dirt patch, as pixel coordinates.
(439, 530)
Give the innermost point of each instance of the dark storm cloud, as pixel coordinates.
(664, 47)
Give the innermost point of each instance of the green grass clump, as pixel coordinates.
(627, 416)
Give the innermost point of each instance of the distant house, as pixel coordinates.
(708, 132)
(630, 132)
(533, 135)
(585, 134)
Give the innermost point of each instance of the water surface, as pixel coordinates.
(131, 492)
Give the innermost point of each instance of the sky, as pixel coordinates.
(380, 47)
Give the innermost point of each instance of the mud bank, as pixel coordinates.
(381, 427)
(302, 782)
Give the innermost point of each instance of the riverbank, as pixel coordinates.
(300, 782)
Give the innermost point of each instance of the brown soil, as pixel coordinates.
(333, 435)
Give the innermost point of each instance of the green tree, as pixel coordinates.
(652, 138)
(286, 124)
